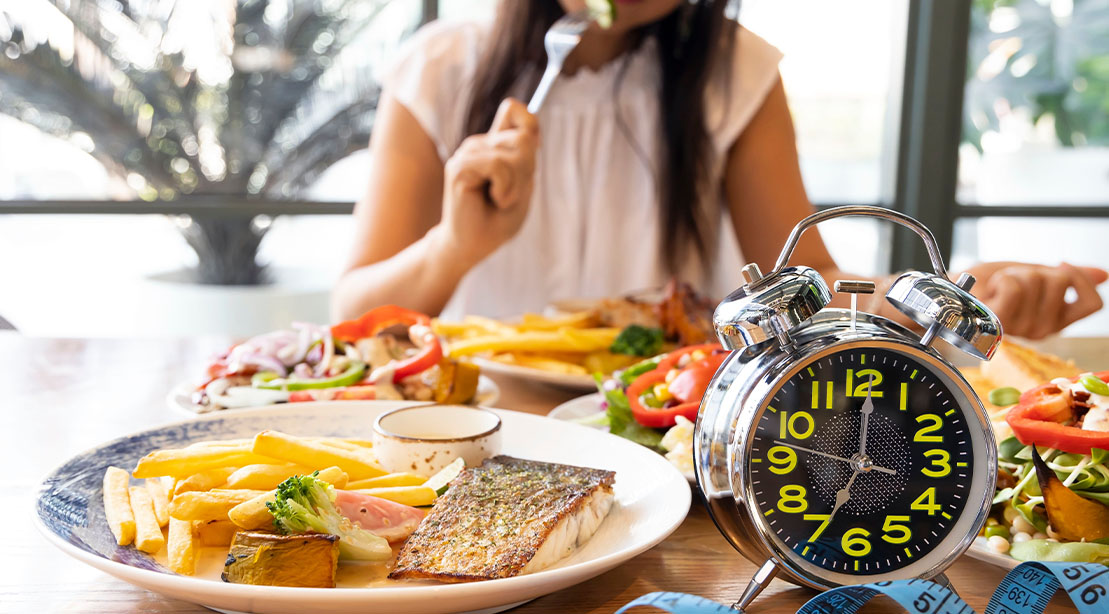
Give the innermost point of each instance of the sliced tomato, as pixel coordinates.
(369, 324)
(691, 383)
(687, 387)
(350, 393)
(1040, 415)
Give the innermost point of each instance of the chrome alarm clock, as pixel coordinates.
(838, 447)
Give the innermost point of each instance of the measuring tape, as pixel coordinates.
(1024, 590)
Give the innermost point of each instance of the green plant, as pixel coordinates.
(229, 100)
(1046, 56)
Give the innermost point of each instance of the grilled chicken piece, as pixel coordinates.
(506, 518)
(257, 557)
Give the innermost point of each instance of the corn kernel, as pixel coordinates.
(662, 392)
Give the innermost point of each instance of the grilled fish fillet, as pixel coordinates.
(506, 518)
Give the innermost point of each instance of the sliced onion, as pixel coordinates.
(264, 362)
(328, 353)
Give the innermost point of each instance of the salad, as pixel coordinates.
(655, 401)
(355, 360)
(1052, 501)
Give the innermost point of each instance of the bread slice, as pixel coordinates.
(1024, 368)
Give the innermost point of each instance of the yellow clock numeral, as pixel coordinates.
(890, 527)
(935, 424)
(792, 499)
(941, 459)
(790, 423)
(854, 542)
(829, 395)
(823, 518)
(903, 404)
(926, 502)
(868, 379)
(781, 455)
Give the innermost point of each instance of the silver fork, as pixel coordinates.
(559, 41)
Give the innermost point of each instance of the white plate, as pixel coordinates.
(979, 550)
(180, 398)
(652, 499)
(562, 380)
(587, 406)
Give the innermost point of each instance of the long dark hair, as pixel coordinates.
(688, 39)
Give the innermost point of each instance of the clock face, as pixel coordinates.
(861, 463)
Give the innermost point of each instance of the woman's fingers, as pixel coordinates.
(1048, 316)
(1031, 300)
(513, 115)
(1087, 299)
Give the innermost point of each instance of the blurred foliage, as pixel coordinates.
(1049, 57)
(236, 98)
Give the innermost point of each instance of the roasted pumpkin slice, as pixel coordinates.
(270, 559)
(1072, 516)
(457, 382)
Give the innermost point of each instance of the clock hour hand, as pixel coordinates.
(831, 456)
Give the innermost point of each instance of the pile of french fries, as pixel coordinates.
(202, 494)
(560, 344)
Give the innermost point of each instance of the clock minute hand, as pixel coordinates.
(867, 409)
(831, 456)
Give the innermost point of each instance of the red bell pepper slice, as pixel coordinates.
(369, 324)
(671, 359)
(1037, 419)
(687, 387)
(657, 417)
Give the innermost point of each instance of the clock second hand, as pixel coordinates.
(831, 456)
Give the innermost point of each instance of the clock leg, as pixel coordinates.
(761, 578)
(943, 581)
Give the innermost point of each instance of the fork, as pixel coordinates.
(559, 41)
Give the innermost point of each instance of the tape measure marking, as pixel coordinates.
(1027, 589)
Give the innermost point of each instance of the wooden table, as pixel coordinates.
(60, 397)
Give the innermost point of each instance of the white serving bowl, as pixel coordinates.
(423, 439)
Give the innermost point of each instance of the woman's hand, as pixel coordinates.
(1031, 300)
(488, 186)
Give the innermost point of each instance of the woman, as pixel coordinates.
(666, 141)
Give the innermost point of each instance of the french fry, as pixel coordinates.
(208, 505)
(160, 498)
(205, 480)
(415, 496)
(148, 533)
(117, 505)
(169, 483)
(343, 445)
(541, 362)
(578, 319)
(357, 465)
(563, 340)
(391, 479)
(264, 477)
(187, 461)
(218, 533)
(254, 514)
(181, 547)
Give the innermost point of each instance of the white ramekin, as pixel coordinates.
(423, 439)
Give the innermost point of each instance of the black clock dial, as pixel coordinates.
(854, 506)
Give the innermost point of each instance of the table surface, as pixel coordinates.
(62, 396)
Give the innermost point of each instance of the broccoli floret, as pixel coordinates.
(636, 340)
(305, 504)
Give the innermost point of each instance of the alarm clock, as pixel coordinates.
(838, 447)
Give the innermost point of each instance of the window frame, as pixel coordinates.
(922, 181)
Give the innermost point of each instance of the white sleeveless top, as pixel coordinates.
(594, 227)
